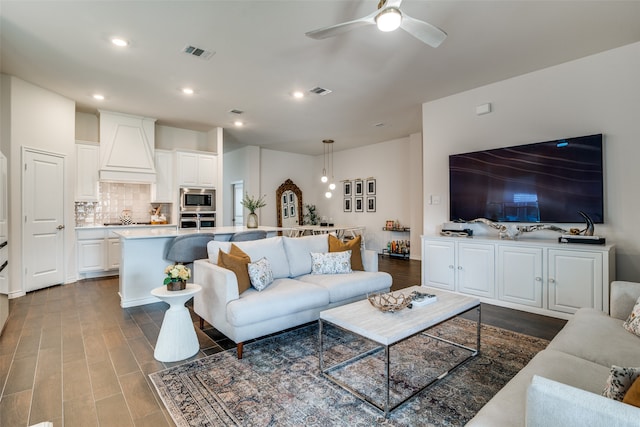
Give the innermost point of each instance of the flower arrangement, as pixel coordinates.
(252, 203)
(176, 273)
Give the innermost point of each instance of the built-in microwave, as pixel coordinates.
(197, 199)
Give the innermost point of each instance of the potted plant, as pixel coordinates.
(251, 203)
(177, 276)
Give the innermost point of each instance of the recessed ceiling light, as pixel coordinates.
(119, 42)
(298, 94)
(98, 96)
(238, 123)
(187, 91)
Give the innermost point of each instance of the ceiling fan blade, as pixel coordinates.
(423, 31)
(334, 30)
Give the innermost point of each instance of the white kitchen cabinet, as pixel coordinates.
(197, 169)
(575, 280)
(87, 164)
(539, 276)
(459, 266)
(519, 271)
(113, 253)
(91, 255)
(162, 191)
(99, 252)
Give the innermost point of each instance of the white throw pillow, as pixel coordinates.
(270, 248)
(212, 249)
(632, 324)
(299, 252)
(260, 273)
(331, 262)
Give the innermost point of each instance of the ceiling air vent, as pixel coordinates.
(320, 91)
(198, 52)
(236, 111)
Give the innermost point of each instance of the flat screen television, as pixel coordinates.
(545, 182)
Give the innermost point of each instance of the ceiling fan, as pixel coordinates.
(388, 17)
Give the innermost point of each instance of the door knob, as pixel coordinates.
(60, 227)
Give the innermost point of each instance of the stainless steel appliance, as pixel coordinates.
(197, 220)
(197, 199)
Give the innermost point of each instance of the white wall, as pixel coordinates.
(596, 94)
(277, 167)
(398, 189)
(54, 131)
(171, 138)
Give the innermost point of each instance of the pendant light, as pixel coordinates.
(328, 161)
(324, 177)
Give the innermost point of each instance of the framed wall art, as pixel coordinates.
(371, 204)
(359, 204)
(346, 205)
(358, 187)
(346, 187)
(371, 187)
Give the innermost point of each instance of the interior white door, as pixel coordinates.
(238, 193)
(43, 209)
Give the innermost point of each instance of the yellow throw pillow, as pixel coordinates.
(335, 245)
(237, 264)
(632, 396)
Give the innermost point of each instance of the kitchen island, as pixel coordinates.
(142, 257)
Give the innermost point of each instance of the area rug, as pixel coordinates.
(278, 382)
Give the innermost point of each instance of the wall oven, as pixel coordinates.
(197, 220)
(197, 199)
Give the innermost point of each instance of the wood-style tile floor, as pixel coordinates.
(69, 354)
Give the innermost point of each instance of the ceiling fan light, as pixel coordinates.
(389, 19)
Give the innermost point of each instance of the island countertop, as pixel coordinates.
(153, 233)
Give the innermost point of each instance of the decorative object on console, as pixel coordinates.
(419, 299)
(311, 217)
(177, 276)
(251, 203)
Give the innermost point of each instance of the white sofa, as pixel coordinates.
(294, 298)
(562, 385)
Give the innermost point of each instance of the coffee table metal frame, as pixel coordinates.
(386, 406)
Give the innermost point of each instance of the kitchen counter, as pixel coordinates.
(220, 233)
(142, 257)
(119, 226)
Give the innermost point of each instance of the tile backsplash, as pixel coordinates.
(114, 197)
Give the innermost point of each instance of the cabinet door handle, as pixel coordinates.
(538, 279)
(552, 280)
(60, 227)
(459, 268)
(451, 266)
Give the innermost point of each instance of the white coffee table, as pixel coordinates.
(388, 329)
(177, 339)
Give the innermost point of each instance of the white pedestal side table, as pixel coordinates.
(177, 339)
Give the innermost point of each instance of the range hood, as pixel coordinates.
(126, 148)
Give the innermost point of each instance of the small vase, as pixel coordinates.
(177, 286)
(252, 220)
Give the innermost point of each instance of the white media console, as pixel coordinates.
(538, 276)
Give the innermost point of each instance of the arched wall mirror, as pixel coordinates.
(289, 198)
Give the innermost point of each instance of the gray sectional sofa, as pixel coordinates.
(562, 385)
(295, 297)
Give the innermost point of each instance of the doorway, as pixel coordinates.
(238, 194)
(43, 210)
